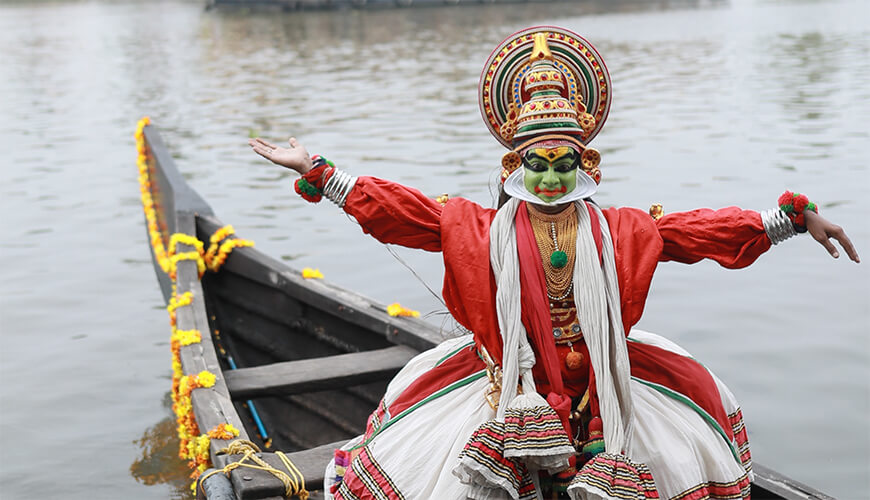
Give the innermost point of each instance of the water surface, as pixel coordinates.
(715, 104)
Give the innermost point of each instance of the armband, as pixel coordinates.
(777, 225)
(338, 186)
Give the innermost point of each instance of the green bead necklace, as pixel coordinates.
(558, 258)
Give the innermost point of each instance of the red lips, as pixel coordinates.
(550, 192)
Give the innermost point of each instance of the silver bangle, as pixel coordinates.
(777, 225)
(338, 187)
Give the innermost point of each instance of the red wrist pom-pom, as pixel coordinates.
(800, 203)
(312, 197)
(800, 220)
(794, 205)
(315, 176)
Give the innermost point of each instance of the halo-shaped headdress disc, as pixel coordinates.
(573, 100)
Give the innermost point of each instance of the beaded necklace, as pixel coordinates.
(556, 236)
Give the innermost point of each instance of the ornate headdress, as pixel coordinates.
(548, 85)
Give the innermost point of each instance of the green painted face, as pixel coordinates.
(550, 173)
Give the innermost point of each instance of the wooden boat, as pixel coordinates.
(300, 363)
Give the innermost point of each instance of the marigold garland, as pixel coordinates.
(215, 239)
(187, 337)
(396, 309)
(225, 249)
(154, 232)
(184, 239)
(175, 302)
(223, 431)
(194, 256)
(193, 446)
(218, 252)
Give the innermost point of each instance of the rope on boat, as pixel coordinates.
(293, 480)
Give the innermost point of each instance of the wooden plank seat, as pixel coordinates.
(317, 374)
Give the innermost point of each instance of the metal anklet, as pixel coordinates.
(777, 225)
(338, 187)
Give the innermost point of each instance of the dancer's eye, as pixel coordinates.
(536, 165)
(566, 166)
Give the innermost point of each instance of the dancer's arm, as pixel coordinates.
(389, 211)
(735, 238)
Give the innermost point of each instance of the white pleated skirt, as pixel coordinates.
(684, 451)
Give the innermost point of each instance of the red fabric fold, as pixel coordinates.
(462, 364)
(732, 237)
(561, 404)
(679, 374)
(536, 307)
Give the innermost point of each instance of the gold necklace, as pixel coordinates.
(556, 236)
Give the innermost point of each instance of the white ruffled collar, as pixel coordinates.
(515, 186)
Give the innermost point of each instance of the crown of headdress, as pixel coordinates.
(545, 84)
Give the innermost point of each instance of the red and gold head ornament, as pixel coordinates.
(545, 84)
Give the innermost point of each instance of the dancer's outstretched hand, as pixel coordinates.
(295, 157)
(822, 230)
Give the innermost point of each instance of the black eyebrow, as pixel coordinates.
(531, 155)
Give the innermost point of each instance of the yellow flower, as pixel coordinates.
(178, 301)
(206, 378)
(183, 407)
(194, 256)
(396, 309)
(221, 233)
(309, 273)
(184, 239)
(183, 385)
(202, 443)
(187, 337)
(224, 251)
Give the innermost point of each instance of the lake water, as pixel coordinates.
(715, 104)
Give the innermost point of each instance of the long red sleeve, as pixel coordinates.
(732, 237)
(393, 213)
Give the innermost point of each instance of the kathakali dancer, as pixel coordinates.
(552, 393)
